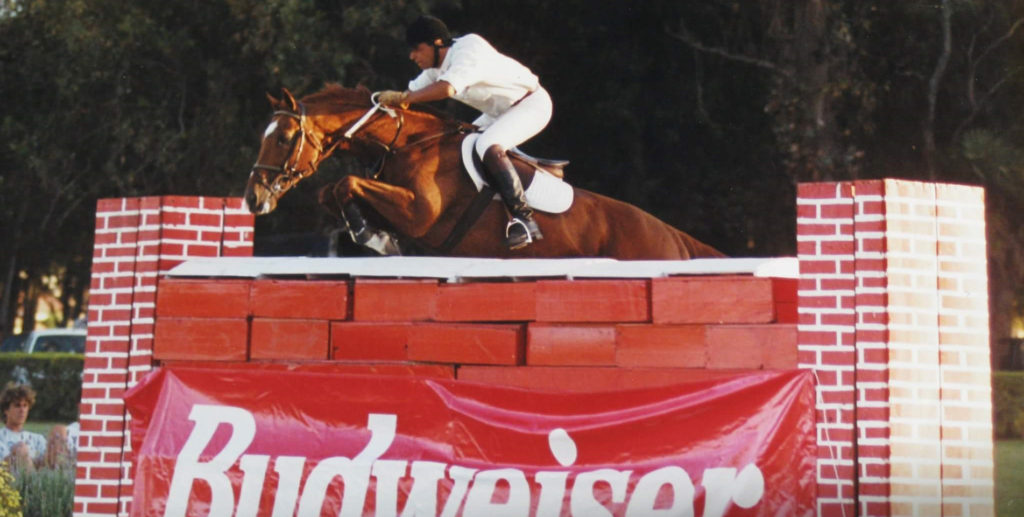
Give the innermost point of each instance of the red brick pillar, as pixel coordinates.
(137, 240)
(894, 321)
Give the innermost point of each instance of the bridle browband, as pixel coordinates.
(291, 174)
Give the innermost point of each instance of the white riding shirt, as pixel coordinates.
(482, 77)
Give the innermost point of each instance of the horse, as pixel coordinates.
(420, 190)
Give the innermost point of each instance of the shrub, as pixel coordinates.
(1008, 402)
(56, 378)
(10, 499)
(46, 492)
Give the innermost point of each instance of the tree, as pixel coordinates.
(703, 113)
(107, 98)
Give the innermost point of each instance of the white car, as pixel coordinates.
(55, 340)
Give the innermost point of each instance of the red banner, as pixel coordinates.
(257, 442)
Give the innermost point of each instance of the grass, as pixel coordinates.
(42, 428)
(1009, 478)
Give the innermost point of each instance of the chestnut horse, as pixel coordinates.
(420, 189)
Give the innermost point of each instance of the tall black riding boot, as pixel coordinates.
(501, 174)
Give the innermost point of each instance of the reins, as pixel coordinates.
(291, 173)
(390, 149)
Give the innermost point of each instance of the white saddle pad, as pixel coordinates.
(546, 193)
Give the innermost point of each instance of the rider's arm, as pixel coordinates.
(434, 92)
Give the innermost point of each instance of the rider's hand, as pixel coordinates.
(393, 99)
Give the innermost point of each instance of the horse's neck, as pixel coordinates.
(382, 127)
(436, 160)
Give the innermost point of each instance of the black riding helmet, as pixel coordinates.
(427, 29)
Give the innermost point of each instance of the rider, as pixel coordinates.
(514, 105)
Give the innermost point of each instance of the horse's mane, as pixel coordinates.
(336, 94)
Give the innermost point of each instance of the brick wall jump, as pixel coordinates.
(890, 312)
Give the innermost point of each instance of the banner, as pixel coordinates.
(240, 442)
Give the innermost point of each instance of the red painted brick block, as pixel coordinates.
(586, 379)
(215, 339)
(681, 346)
(467, 343)
(289, 339)
(486, 301)
(570, 345)
(724, 299)
(194, 298)
(752, 346)
(593, 301)
(393, 300)
(369, 341)
(784, 294)
(784, 289)
(782, 353)
(436, 371)
(302, 299)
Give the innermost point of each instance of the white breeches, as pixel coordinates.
(517, 125)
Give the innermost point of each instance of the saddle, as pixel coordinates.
(545, 189)
(554, 167)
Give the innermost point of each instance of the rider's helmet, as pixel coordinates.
(427, 29)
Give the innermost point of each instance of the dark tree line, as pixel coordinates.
(705, 113)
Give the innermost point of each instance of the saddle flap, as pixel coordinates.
(546, 193)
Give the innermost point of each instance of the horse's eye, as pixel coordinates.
(283, 139)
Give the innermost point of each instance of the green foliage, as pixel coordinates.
(704, 113)
(10, 498)
(46, 492)
(1008, 402)
(55, 377)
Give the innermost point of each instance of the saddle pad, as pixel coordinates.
(546, 193)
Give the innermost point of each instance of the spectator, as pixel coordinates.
(25, 449)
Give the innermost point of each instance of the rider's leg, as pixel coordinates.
(512, 128)
(501, 174)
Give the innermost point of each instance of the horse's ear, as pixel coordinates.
(361, 87)
(275, 103)
(289, 100)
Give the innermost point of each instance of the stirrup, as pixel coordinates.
(529, 230)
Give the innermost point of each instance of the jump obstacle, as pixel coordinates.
(886, 303)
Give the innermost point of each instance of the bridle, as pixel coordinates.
(290, 174)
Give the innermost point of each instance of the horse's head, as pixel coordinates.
(290, 151)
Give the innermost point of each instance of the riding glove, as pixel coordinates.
(393, 98)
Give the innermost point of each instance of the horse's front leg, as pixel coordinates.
(409, 211)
